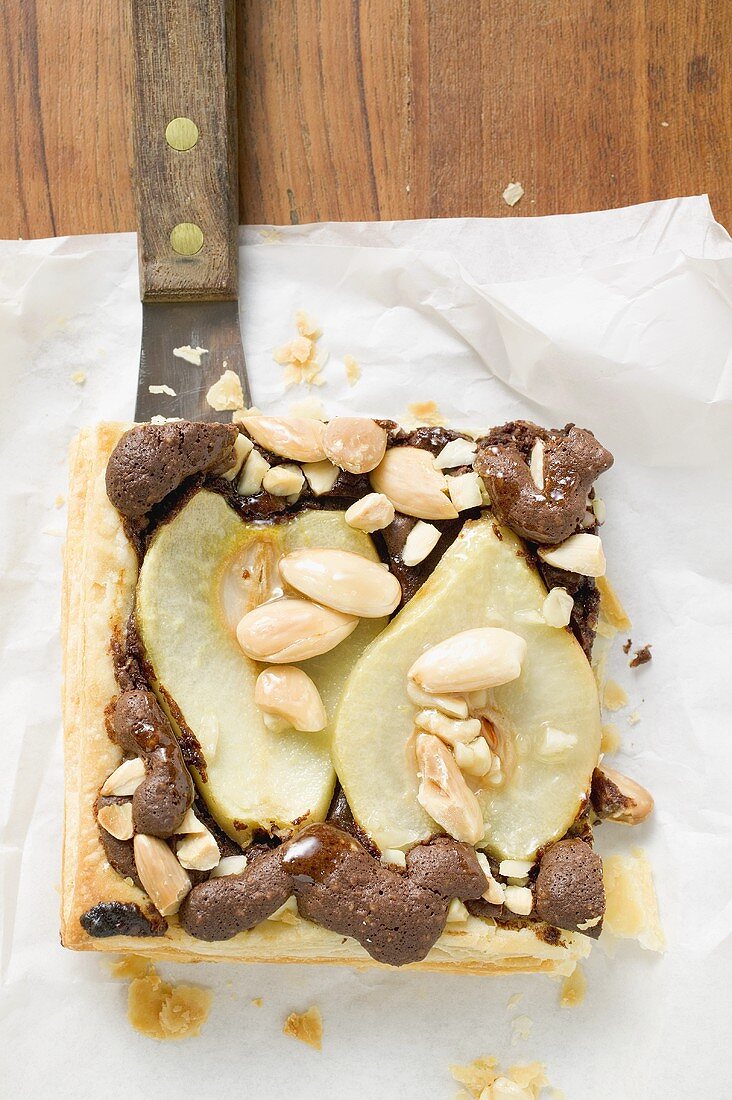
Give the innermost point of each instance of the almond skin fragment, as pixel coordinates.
(289, 693)
(354, 443)
(443, 792)
(287, 630)
(471, 660)
(407, 476)
(160, 873)
(298, 438)
(342, 580)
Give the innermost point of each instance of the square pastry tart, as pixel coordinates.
(328, 694)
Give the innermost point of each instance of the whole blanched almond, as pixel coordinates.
(287, 630)
(407, 476)
(355, 443)
(161, 875)
(443, 792)
(289, 693)
(342, 580)
(471, 660)
(297, 437)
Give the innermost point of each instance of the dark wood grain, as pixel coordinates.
(199, 185)
(387, 108)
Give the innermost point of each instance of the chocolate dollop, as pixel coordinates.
(569, 891)
(573, 458)
(160, 802)
(117, 918)
(396, 917)
(152, 460)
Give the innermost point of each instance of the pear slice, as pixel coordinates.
(202, 572)
(484, 579)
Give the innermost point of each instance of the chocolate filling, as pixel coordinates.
(396, 917)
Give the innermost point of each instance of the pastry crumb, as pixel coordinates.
(631, 907)
(78, 377)
(513, 193)
(271, 236)
(614, 696)
(612, 611)
(302, 360)
(162, 389)
(642, 656)
(633, 719)
(191, 355)
(130, 966)
(59, 501)
(307, 1027)
(483, 1080)
(426, 412)
(353, 371)
(309, 407)
(573, 989)
(257, 1002)
(520, 1029)
(164, 1011)
(514, 1001)
(610, 738)
(226, 394)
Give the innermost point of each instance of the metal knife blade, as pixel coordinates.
(213, 326)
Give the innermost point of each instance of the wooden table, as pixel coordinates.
(387, 108)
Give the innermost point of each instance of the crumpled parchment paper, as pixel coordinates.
(620, 321)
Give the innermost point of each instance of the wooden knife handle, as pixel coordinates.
(187, 194)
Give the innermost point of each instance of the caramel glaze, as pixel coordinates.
(395, 916)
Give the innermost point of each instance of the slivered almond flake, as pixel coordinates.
(306, 326)
(116, 819)
(226, 393)
(125, 779)
(190, 355)
(464, 490)
(321, 476)
(300, 357)
(536, 464)
(458, 452)
(513, 193)
(420, 542)
(252, 475)
(307, 1027)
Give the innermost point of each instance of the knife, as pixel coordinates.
(186, 190)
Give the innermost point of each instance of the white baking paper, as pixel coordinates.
(621, 321)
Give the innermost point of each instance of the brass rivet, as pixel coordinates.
(181, 134)
(186, 239)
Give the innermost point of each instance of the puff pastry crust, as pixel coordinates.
(100, 573)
